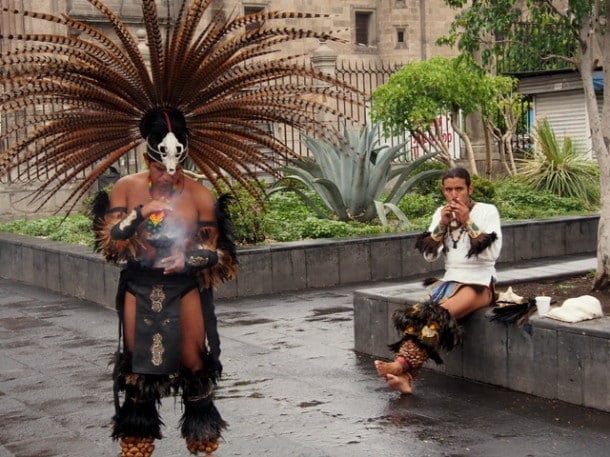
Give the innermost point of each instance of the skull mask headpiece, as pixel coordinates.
(166, 135)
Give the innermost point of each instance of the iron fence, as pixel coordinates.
(363, 75)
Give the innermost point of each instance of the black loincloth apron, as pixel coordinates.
(157, 333)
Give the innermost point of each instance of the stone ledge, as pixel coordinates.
(544, 357)
(285, 267)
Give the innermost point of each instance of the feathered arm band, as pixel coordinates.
(225, 268)
(126, 227)
(114, 230)
(428, 244)
(479, 241)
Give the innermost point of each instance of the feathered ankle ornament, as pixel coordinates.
(426, 328)
(201, 424)
(136, 422)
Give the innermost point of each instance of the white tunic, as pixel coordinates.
(478, 269)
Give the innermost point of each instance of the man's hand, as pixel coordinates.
(446, 215)
(175, 263)
(455, 210)
(461, 211)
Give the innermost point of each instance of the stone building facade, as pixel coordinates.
(384, 30)
(372, 31)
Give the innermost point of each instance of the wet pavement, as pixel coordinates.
(292, 386)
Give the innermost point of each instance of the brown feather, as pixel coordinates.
(114, 250)
(481, 242)
(425, 244)
(227, 79)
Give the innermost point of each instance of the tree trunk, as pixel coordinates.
(497, 136)
(488, 162)
(472, 164)
(511, 120)
(509, 153)
(600, 135)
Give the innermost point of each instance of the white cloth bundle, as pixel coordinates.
(577, 309)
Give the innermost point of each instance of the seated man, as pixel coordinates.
(469, 236)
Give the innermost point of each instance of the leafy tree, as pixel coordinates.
(416, 95)
(513, 36)
(582, 25)
(351, 174)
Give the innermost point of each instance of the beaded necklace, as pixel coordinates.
(154, 223)
(463, 229)
(457, 240)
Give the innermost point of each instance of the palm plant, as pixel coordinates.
(560, 168)
(351, 174)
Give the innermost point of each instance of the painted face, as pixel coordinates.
(170, 152)
(166, 137)
(160, 177)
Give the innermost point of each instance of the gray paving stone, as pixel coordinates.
(292, 386)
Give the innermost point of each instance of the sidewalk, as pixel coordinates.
(292, 386)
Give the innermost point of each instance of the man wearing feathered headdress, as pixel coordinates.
(175, 240)
(207, 95)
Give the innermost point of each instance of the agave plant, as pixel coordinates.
(351, 175)
(560, 168)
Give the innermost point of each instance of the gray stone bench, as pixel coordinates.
(544, 357)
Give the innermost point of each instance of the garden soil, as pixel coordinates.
(561, 289)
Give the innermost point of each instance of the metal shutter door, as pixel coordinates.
(567, 114)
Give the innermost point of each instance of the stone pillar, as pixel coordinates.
(143, 46)
(324, 59)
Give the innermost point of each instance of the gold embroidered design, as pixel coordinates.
(198, 260)
(157, 350)
(473, 230)
(439, 232)
(157, 297)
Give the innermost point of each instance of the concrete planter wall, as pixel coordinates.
(543, 357)
(283, 267)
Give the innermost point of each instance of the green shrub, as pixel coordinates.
(484, 189)
(286, 217)
(416, 206)
(289, 218)
(248, 223)
(313, 228)
(560, 167)
(517, 201)
(247, 215)
(73, 229)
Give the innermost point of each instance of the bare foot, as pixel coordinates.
(402, 383)
(385, 368)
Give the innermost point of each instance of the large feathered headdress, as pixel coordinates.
(224, 79)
